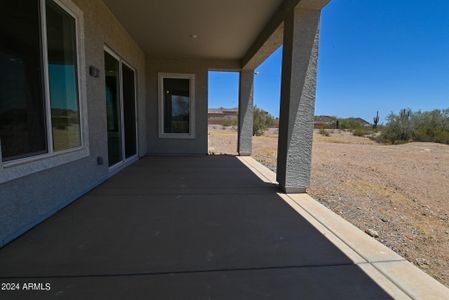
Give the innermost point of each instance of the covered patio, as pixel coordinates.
(198, 227)
(154, 216)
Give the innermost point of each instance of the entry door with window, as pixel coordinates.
(120, 109)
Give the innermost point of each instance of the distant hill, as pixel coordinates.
(360, 121)
(224, 115)
(343, 123)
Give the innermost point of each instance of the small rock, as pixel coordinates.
(384, 220)
(372, 233)
(422, 262)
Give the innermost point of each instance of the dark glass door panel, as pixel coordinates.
(113, 109)
(129, 111)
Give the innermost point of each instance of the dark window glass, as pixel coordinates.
(129, 110)
(22, 111)
(62, 70)
(113, 109)
(176, 105)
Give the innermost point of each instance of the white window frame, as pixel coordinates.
(191, 134)
(13, 169)
(121, 62)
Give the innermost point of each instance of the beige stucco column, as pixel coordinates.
(246, 109)
(298, 91)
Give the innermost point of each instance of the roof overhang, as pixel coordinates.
(206, 29)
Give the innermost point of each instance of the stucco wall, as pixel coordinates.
(102, 28)
(157, 145)
(28, 200)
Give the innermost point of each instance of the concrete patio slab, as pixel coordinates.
(167, 233)
(190, 227)
(342, 246)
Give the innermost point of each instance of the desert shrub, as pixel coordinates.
(365, 131)
(230, 121)
(417, 126)
(324, 132)
(442, 137)
(262, 120)
(349, 123)
(399, 127)
(359, 132)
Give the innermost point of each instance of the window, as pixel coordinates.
(63, 79)
(176, 103)
(22, 109)
(39, 84)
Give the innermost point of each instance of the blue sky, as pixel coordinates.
(374, 55)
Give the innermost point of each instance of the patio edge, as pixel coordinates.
(398, 277)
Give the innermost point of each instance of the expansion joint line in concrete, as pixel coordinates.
(181, 272)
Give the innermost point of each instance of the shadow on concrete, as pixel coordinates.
(183, 227)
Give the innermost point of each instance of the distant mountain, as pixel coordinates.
(219, 115)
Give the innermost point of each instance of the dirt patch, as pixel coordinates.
(401, 192)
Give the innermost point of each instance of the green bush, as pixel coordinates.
(359, 132)
(262, 120)
(442, 137)
(417, 126)
(366, 131)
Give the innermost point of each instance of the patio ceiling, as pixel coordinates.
(225, 29)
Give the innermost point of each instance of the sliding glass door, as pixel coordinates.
(120, 109)
(129, 111)
(113, 109)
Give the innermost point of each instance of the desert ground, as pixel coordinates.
(399, 191)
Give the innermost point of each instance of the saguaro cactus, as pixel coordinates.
(376, 120)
